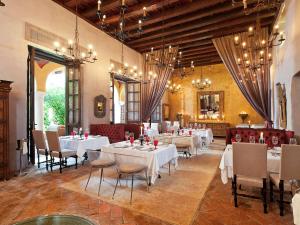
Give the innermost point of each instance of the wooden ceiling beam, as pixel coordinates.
(200, 57)
(176, 12)
(203, 62)
(137, 10)
(197, 52)
(203, 24)
(208, 32)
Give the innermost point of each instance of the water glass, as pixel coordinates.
(275, 141)
(252, 139)
(293, 141)
(238, 137)
(155, 142)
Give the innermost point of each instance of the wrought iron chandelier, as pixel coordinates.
(258, 6)
(182, 70)
(201, 83)
(73, 51)
(253, 50)
(173, 88)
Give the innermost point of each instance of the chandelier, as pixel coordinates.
(182, 70)
(201, 83)
(172, 87)
(259, 6)
(73, 51)
(253, 49)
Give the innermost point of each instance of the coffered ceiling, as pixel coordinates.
(189, 24)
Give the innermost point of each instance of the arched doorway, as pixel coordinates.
(295, 102)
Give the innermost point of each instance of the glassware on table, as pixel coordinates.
(238, 138)
(252, 139)
(293, 141)
(155, 142)
(73, 133)
(86, 134)
(172, 131)
(147, 139)
(190, 132)
(182, 131)
(274, 141)
(131, 140)
(127, 136)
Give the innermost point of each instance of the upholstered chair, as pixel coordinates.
(56, 151)
(289, 170)
(183, 145)
(41, 147)
(99, 164)
(61, 131)
(250, 169)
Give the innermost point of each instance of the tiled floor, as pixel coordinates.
(40, 194)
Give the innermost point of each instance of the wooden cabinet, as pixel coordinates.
(218, 128)
(4, 129)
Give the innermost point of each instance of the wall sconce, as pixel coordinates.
(243, 115)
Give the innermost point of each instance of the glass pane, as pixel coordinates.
(130, 106)
(70, 116)
(76, 85)
(130, 97)
(137, 87)
(76, 116)
(136, 116)
(130, 87)
(137, 107)
(137, 96)
(130, 116)
(70, 102)
(76, 102)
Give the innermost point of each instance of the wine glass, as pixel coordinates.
(155, 142)
(238, 137)
(131, 140)
(274, 141)
(86, 134)
(147, 139)
(190, 132)
(172, 131)
(127, 135)
(293, 141)
(252, 139)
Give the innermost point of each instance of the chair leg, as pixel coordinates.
(46, 160)
(131, 189)
(281, 192)
(88, 178)
(146, 174)
(264, 192)
(76, 161)
(234, 187)
(169, 168)
(38, 155)
(51, 163)
(101, 175)
(60, 162)
(118, 178)
(271, 191)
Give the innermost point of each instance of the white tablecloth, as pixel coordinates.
(227, 162)
(154, 159)
(207, 133)
(82, 145)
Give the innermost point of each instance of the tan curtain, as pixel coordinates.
(282, 103)
(255, 86)
(154, 89)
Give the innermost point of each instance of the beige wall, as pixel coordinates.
(286, 63)
(234, 102)
(53, 18)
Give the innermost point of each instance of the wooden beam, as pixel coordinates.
(176, 12)
(204, 24)
(197, 52)
(207, 32)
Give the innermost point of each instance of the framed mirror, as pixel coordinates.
(210, 104)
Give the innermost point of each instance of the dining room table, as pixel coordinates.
(226, 163)
(82, 145)
(147, 154)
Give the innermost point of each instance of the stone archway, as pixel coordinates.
(295, 102)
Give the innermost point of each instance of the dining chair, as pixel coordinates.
(56, 151)
(183, 145)
(130, 169)
(289, 170)
(61, 131)
(99, 164)
(41, 147)
(250, 169)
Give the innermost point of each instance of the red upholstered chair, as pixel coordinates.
(114, 132)
(245, 133)
(133, 128)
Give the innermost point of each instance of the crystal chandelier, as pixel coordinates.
(201, 83)
(182, 70)
(172, 87)
(253, 51)
(73, 51)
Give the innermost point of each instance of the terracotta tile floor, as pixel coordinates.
(40, 194)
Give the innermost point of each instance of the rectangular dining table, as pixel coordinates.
(82, 145)
(273, 162)
(146, 155)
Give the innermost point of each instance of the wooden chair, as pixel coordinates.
(183, 145)
(99, 164)
(289, 170)
(250, 169)
(56, 151)
(41, 147)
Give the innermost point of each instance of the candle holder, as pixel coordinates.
(261, 140)
(141, 138)
(243, 116)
